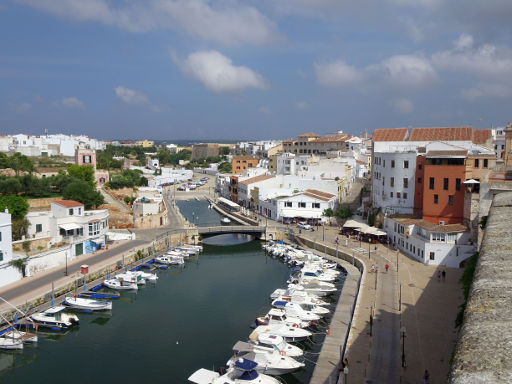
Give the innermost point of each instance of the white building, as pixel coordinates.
(172, 148)
(498, 138)
(448, 245)
(8, 274)
(170, 176)
(291, 164)
(308, 205)
(152, 163)
(68, 222)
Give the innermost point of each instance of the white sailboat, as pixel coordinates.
(87, 304)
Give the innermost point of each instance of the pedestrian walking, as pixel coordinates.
(443, 274)
(336, 241)
(387, 267)
(346, 242)
(426, 377)
(439, 276)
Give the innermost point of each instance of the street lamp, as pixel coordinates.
(369, 246)
(402, 334)
(66, 255)
(400, 298)
(323, 232)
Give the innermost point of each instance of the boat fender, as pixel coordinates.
(295, 325)
(282, 353)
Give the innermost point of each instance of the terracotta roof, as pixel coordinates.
(324, 196)
(442, 134)
(245, 158)
(255, 179)
(68, 203)
(331, 139)
(49, 169)
(391, 134)
(447, 228)
(480, 136)
(309, 134)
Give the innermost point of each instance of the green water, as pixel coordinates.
(189, 320)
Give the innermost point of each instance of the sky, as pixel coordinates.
(252, 69)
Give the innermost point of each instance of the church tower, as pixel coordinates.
(507, 158)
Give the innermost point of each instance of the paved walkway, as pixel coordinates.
(428, 312)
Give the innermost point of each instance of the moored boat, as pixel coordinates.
(10, 343)
(87, 304)
(120, 285)
(55, 318)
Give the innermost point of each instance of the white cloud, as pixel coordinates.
(337, 74)
(217, 72)
(486, 60)
(264, 110)
(130, 96)
(70, 102)
(413, 29)
(407, 70)
(404, 106)
(487, 90)
(228, 23)
(21, 108)
(302, 105)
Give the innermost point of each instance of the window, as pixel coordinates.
(391, 194)
(70, 212)
(87, 159)
(94, 228)
(457, 184)
(406, 163)
(302, 205)
(316, 205)
(486, 163)
(436, 199)
(383, 181)
(404, 195)
(445, 183)
(79, 211)
(0, 236)
(432, 256)
(384, 163)
(420, 166)
(406, 182)
(39, 228)
(450, 200)
(398, 195)
(431, 183)
(1, 256)
(288, 204)
(392, 163)
(419, 180)
(392, 182)
(477, 163)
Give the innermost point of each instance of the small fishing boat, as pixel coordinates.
(10, 343)
(295, 310)
(170, 260)
(132, 277)
(55, 318)
(120, 285)
(225, 220)
(87, 304)
(23, 336)
(279, 316)
(270, 362)
(318, 288)
(243, 372)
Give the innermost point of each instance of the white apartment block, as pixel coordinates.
(8, 274)
(68, 222)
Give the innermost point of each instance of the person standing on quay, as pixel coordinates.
(426, 377)
(443, 274)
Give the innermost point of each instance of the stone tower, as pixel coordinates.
(507, 158)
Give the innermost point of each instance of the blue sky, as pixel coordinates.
(234, 69)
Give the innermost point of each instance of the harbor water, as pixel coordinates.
(189, 319)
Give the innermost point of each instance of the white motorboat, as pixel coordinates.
(225, 220)
(319, 288)
(55, 318)
(305, 305)
(275, 342)
(290, 334)
(243, 372)
(87, 304)
(270, 362)
(188, 250)
(10, 343)
(152, 277)
(297, 296)
(279, 316)
(170, 260)
(309, 274)
(295, 310)
(23, 336)
(132, 277)
(177, 253)
(120, 285)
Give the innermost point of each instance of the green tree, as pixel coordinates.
(17, 205)
(19, 228)
(26, 246)
(3, 160)
(84, 193)
(224, 151)
(19, 264)
(20, 163)
(328, 213)
(10, 186)
(225, 167)
(82, 172)
(344, 211)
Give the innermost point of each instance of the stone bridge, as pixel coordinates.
(259, 231)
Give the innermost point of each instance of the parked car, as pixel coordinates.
(306, 226)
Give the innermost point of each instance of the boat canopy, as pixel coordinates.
(203, 376)
(246, 365)
(242, 346)
(280, 303)
(55, 309)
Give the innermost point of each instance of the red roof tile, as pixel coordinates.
(442, 134)
(391, 134)
(309, 134)
(68, 203)
(480, 136)
(256, 179)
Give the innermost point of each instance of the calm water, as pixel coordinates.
(189, 320)
(197, 213)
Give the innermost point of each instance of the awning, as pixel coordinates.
(471, 181)
(70, 226)
(353, 224)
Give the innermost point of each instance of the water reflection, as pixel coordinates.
(228, 239)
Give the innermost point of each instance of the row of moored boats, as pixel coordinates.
(296, 311)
